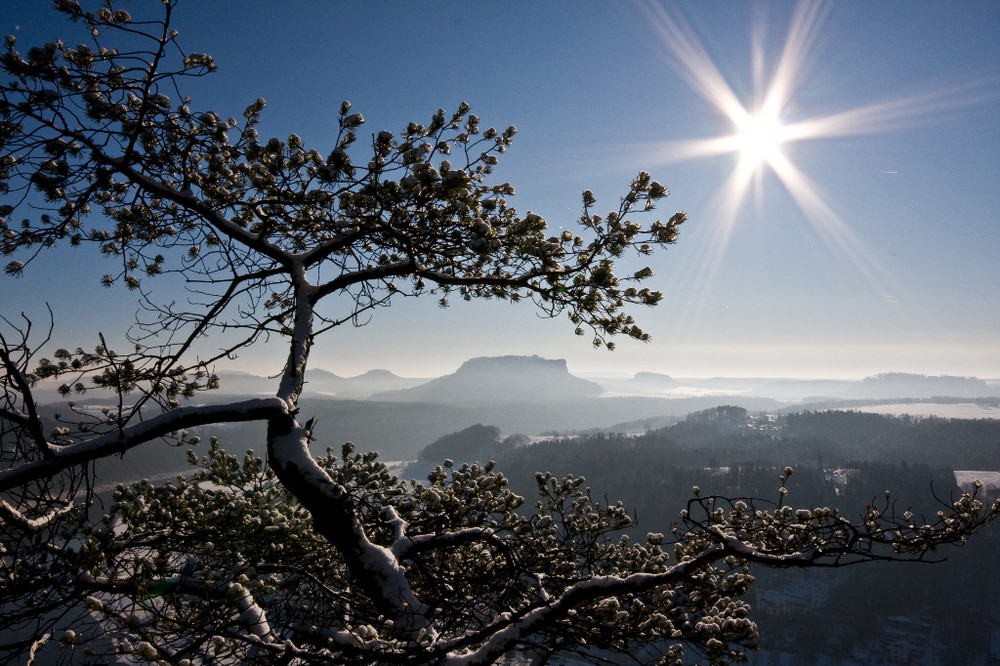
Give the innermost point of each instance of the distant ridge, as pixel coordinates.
(236, 382)
(376, 375)
(907, 385)
(507, 379)
(653, 382)
(321, 382)
(502, 379)
(359, 387)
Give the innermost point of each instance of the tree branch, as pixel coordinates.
(129, 437)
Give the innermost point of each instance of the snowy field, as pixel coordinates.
(958, 410)
(965, 478)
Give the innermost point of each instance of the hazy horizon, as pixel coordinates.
(626, 373)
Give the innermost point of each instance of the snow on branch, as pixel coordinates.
(580, 592)
(409, 546)
(159, 426)
(251, 614)
(12, 515)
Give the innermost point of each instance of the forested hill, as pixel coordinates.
(959, 443)
(840, 458)
(728, 435)
(732, 434)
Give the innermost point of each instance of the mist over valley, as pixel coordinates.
(536, 397)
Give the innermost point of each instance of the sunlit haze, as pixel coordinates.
(838, 163)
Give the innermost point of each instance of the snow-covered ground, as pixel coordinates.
(990, 480)
(958, 410)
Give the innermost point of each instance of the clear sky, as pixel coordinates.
(862, 237)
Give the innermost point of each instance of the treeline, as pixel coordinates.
(959, 443)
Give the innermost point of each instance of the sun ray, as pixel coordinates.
(802, 34)
(762, 128)
(904, 112)
(827, 224)
(693, 63)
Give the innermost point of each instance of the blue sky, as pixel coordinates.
(869, 243)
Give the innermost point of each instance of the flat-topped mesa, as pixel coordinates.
(503, 379)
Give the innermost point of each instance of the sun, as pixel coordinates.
(758, 139)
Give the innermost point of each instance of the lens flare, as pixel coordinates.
(762, 127)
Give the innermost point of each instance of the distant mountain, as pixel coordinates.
(318, 381)
(640, 384)
(804, 389)
(360, 387)
(320, 375)
(892, 385)
(501, 379)
(233, 382)
(653, 382)
(906, 385)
